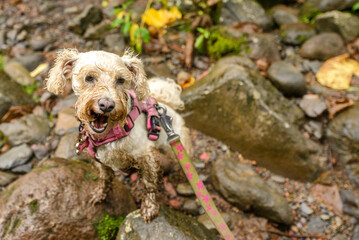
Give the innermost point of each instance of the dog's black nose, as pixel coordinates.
(106, 105)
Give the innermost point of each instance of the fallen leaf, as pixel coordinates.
(169, 187)
(329, 196)
(188, 52)
(162, 17)
(16, 112)
(188, 82)
(39, 69)
(335, 105)
(337, 72)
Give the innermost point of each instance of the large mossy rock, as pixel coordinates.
(243, 187)
(168, 225)
(53, 202)
(233, 103)
(11, 93)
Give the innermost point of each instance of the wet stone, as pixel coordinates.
(323, 46)
(313, 105)
(287, 78)
(185, 189)
(316, 225)
(16, 156)
(190, 206)
(296, 33)
(6, 178)
(305, 209)
(282, 14)
(170, 224)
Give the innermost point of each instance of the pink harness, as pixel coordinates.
(148, 107)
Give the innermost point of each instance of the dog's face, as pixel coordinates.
(101, 81)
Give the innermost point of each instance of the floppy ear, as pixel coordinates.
(62, 70)
(139, 80)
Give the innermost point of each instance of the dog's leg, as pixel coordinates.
(106, 177)
(150, 172)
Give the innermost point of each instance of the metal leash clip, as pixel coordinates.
(166, 122)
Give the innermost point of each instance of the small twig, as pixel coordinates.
(279, 233)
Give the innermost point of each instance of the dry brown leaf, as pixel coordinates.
(16, 112)
(329, 196)
(337, 72)
(188, 52)
(335, 105)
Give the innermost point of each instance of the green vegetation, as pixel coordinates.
(15, 225)
(310, 16)
(7, 226)
(221, 42)
(89, 176)
(107, 227)
(2, 62)
(34, 206)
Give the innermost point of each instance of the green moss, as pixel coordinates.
(89, 176)
(15, 225)
(301, 38)
(46, 167)
(7, 226)
(34, 206)
(107, 227)
(221, 42)
(309, 16)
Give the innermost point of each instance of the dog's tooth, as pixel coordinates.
(104, 125)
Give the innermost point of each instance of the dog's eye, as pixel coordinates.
(89, 79)
(120, 80)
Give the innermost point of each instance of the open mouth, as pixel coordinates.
(99, 124)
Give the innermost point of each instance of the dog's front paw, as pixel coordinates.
(149, 207)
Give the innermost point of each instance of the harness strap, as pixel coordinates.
(118, 132)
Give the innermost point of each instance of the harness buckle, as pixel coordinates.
(126, 127)
(155, 124)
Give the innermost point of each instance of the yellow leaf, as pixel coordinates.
(162, 17)
(104, 3)
(120, 14)
(39, 69)
(188, 82)
(337, 72)
(132, 31)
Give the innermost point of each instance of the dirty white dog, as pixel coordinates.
(101, 81)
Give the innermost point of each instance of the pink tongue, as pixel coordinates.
(98, 124)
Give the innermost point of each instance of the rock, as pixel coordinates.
(22, 168)
(185, 189)
(97, 31)
(282, 14)
(11, 35)
(313, 6)
(190, 206)
(288, 79)
(6, 178)
(323, 46)
(296, 33)
(16, 156)
(168, 225)
(355, 235)
(41, 151)
(244, 11)
(30, 61)
(328, 196)
(207, 222)
(28, 129)
(353, 172)
(21, 36)
(343, 135)
(18, 73)
(67, 101)
(345, 24)
(116, 42)
(316, 225)
(241, 186)
(2, 39)
(313, 105)
(39, 44)
(66, 148)
(53, 201)
(11, 94)
(261, 123)
(89, 16)
(315, 128)
(263, 46)
(66, 121)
